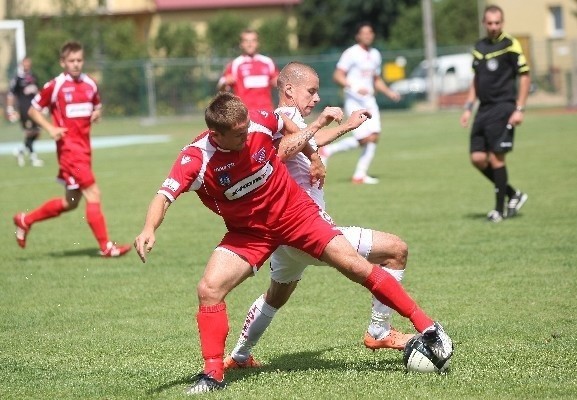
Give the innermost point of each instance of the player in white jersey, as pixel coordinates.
(298, 95)
(359, 73)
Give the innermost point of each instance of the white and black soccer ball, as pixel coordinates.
(418, 357)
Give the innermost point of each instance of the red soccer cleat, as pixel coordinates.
(230, 363)
(114, 250)
(394, 340)
(21, 229)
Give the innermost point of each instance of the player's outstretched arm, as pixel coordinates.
(146, 239)
(328, 135)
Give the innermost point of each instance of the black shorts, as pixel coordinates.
(490, 132)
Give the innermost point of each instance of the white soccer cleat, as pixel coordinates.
(366, 180)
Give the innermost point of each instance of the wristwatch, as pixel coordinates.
(520, 108)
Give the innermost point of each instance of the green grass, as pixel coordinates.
(74, 326)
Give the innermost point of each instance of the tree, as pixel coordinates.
(273, 37)
(456, 23)
(223, 33)
(325, 24)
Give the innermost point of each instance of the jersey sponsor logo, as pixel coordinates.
(224, 179)
(79, 110)
(224, 167)
(492, 64)
(260, 156)
(185, 160)
(250, 183)
(171, 184)
(256, 81)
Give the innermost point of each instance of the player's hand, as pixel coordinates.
(358, 117)
(57, 132)
(317, 172)
(96, 115)
(143, 244)
(396, 97)
(329, 115)
(464, 120)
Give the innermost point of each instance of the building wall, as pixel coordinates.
(531, 22)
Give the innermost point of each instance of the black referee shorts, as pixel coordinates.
(490, 132)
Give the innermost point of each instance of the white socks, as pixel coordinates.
(380, 324)
(258, 318)
(365, 160)
(345, 144)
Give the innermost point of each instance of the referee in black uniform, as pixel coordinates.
(497, 62)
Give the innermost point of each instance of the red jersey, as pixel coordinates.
(253, 80)
(71, 103)
(241, 186)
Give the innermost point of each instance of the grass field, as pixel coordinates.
(74, 326)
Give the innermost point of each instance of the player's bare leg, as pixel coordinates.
(224, 271)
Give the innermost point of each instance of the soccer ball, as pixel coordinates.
(418, 357)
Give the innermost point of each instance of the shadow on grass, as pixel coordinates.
(481, 216)
(295, 362)
(88, 252)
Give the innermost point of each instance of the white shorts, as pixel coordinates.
(371, 125)
(288, 264)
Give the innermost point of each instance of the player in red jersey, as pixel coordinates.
(251, 76)
(237, 173)
(74, 104)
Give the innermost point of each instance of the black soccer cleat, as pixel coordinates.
(515, 203)
(204, 384)
(438, 341)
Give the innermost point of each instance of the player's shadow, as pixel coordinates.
(299, 361)
(483, 216)
(85, 252)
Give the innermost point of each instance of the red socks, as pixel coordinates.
(213, 329)
(52, 208)
(97, 224)
(390, 292)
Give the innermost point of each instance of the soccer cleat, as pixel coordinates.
(324, 155)
(35, 161)
(21, 229)
(114, 250)
(494, 216)
(515, 203)
(438, 341)
(204, 384)
(394, 340)
(231, 363)
(19, 154)
(367, 180)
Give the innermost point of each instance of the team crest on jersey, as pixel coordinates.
(224, 179)
(260, 156)
(492, 64)
(68, 97)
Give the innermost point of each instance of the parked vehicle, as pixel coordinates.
(453, 74)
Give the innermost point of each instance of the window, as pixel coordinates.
(556, 25)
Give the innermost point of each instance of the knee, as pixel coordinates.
(479, 161)
(71, 204)
(207, 293)
(400, 254)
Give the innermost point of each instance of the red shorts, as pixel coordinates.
(75, 174)
(309, 231)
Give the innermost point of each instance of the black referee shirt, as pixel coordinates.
(496, 64)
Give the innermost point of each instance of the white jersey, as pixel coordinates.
(299, 165)
(361, 66)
